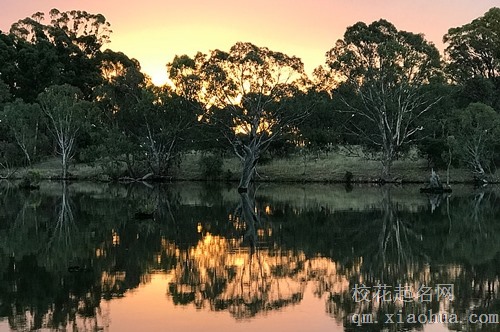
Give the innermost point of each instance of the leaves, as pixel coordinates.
(474, 48)
(476, 131)
(66, 115)
(381, 72)
(26, 126)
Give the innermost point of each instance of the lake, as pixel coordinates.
(201, 257)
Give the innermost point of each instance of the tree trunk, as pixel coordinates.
(386, 168)
(387, 160)
(248, 171)
(479, 172)
(250, 218)
(64, 162)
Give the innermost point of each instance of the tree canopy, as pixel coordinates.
(474, 48)
(247, 92)
(383, 93)
(382, 71)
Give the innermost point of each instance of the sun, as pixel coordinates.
(160, 78)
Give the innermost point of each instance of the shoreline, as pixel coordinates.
(329, 169)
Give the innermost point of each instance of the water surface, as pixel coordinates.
(201, 257)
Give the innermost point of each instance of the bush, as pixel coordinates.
(30, 180)
(211, 166)
(112, 169)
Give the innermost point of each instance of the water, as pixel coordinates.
(201, 257)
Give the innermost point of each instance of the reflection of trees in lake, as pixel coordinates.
(474, 241)
(62, 229)
(419, 253)
(247, 274)
(394, 251)
(36, 288)
(206, 248)
(220, 273)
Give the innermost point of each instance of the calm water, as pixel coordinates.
(197, 257)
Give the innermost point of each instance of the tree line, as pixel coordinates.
(382, 92)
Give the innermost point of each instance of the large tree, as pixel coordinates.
(118, 98)
(163, 128)
(248, 93)
(25, 125)
(66, 114)
(473, 49)
(476, 131)
(382, 71)
(65, 50)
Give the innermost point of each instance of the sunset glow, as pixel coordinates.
(155, 31)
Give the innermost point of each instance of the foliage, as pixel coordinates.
(30, 179)
(383, 71)
(248, 93)
(321, 130)
(433, 139)
(474, 48)
(166, 122)
(477, 133)
(211, 166)
(64, 51)
(66, 115)
(382, 89)
(25, 122)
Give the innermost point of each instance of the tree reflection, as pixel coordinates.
(237, 274)
(397, 241)
(37, 289)
(63, 229)
(245, 254)
(401, 256)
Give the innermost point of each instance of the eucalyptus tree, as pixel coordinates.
(247, 93)
(66, 114)
(473, 49)
(6, 145)
(382, 71)
(8, 68)
(163, 129)
(476, 132)
(118, 96)
(65, 50)
(25, 123)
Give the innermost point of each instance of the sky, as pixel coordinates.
(154, 31)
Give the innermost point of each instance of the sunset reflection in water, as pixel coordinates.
(204, 267)
(219, 285)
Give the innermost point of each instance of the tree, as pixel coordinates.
(165, 122)
(474, 48)
(65, 51)
(25, 122)
(118, 97)
(248, 93)
(7, 149)
(66, 114)
(477, 132)
(8, 69)
(382, 71)
(322, 129)
(433, 139)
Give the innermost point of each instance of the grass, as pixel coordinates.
(51, 168)
(297, 168)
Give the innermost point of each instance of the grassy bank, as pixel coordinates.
(324, 168)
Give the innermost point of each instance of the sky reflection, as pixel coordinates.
(149, 309)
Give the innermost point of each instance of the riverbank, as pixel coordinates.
(332, 168)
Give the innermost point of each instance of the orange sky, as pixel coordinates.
(154, 31)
